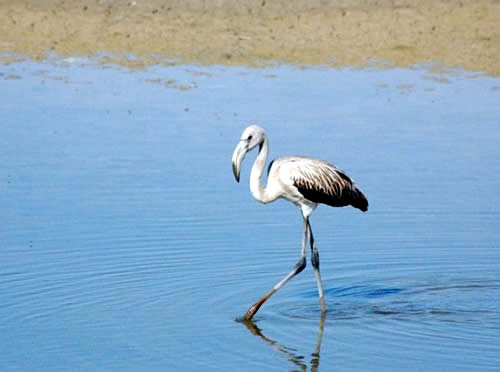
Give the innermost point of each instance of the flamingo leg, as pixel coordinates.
(299, 266)
(315, 264)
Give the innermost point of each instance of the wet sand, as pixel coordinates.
(456, 34)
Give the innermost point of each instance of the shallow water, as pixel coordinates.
(127, 244)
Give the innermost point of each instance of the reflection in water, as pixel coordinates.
(291, 353)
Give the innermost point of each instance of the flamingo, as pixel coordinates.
(304, 181)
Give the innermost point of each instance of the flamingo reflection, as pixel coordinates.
(291, 353)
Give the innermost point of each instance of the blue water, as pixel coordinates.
(126, 244)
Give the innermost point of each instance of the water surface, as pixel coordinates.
(127, 245)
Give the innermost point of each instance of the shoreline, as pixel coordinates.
(452, 34)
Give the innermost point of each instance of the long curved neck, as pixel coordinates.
(258, 190)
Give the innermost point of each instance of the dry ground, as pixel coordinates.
(454, 33)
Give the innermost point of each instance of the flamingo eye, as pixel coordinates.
(249, 137)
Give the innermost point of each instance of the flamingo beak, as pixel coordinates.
(238, 156)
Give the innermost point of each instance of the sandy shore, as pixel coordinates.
(463, 34)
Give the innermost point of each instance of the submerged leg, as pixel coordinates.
(315, 264)
(299, 266)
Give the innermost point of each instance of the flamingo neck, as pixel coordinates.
(258, 190)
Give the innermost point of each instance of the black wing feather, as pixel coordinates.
(334, 188)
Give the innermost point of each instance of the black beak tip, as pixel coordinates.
(236, 173)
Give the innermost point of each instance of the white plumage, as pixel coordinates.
(304, 181)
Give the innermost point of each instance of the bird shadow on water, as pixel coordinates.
(290, 353)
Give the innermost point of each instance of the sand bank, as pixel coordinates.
(464, 34)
